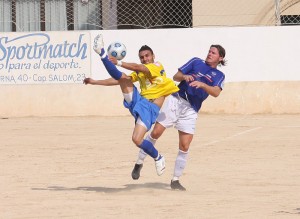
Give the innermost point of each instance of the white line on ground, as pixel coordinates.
(232, 136)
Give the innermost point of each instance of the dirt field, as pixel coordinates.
(80, 167)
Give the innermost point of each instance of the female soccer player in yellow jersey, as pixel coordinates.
(144, 106)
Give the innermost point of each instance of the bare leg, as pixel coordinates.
(157, 131)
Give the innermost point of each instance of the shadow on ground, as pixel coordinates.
(295, 211)
(127, 187)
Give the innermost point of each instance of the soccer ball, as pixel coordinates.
(117, 49)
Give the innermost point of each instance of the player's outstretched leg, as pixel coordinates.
(110, 67)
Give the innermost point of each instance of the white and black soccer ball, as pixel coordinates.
(117, 49)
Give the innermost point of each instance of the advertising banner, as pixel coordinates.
(44, 57)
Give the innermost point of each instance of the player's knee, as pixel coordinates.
(184, 147)
(157, 131)
(137, 140)
(155, 134)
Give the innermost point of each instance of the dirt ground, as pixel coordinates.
(240, 166)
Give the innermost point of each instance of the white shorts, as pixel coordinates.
(179, 113)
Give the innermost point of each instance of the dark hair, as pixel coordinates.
(222, 53)
(145, 47)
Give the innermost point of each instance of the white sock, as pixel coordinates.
(180, 164)
(128, 97)
(142, 155)
(152, 140)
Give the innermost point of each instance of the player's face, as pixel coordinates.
(213, 57)
(146, 57)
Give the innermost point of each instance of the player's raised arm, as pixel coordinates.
(105, 82)
(130, 66)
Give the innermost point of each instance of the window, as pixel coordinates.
(290, 20)
(56, 15)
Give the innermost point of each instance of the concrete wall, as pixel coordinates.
(240, 12)
(262, 75)
(81, 100)
(256, 98)
(233, 12)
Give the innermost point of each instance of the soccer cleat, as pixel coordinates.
(98, 44)
(175, 185)
(135, 174)
(160, 165)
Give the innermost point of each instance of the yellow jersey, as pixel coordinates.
(157, 85)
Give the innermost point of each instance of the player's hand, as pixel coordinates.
(188, 78)
(88, 81)
(113, 60)
(197, 84)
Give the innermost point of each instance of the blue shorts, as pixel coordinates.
(143, 108)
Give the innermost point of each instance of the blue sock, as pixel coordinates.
(111, 68)
(148, 147)
(103, 53)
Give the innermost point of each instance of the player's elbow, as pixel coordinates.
(176, 78)
(216, 92)
(215, 95)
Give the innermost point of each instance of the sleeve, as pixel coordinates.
(134, 76)
(219, 80)
(188, 67)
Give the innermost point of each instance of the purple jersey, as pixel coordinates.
(201, 72)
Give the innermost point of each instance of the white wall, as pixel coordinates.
(253, 53)
(262, 75)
